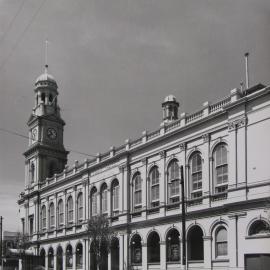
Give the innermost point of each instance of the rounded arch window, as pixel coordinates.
(259, 227)
(43, 97)
(70, 209)
(153, 248)
(51, 216)
(104, 199)
(221, 241)
(173, 181)
(115, 197)
(43, 217)
(195, 174)
(173, 246)
(42, 257)
(52, 169)
(51, 258)
(195, 244)
(60, 213)
(79, 256)
(59, 258)
(137, 191)
(136, 249)
(80, 207)
(69, 260)
(220, 167)
(50, 97)
(93, 201)
(154, 186)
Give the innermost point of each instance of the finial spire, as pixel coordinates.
(46, 56)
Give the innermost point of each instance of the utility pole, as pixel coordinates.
(183, 218)
(1, 240)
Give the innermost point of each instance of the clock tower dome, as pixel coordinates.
(46, 154)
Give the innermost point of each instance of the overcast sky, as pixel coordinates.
(114, 62)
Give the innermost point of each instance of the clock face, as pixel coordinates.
(51, 133)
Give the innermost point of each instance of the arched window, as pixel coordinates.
(59, 258)
(70, 210)
(136, 249)
(79, 256)
(221, 242)
(137, 191)
(115, 254)
(173, 181)
(115, 197)
(80, 207)
(195, 244)
(60, 213)
(42, 257)
(154, 187)
(220, 161)
(69, 260)
(43, 97)
(32, 172)
(50, 98)
(153, 248)
(93, 199)
(50, 258)
(195, 166)
(51, 216)
(43, 217)
(103, 195)
(259, 227)
(173, 246)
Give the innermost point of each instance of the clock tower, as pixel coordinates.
(46, 154)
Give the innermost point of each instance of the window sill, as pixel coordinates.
(258, 236)
(219, 196)
(195, 261)
(193, 202)
(173, 262)
(172, 206)
(221, 260)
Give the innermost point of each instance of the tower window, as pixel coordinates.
(50, 98)
(52, 169)
(43, 97)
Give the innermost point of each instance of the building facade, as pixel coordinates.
(223, 148)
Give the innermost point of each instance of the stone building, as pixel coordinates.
(224, 148)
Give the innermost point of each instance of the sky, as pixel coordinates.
(114, 62)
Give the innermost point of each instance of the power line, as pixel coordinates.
(27, 137)
(12, 21)
(22, 35)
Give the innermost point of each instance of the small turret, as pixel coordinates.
(170, 109)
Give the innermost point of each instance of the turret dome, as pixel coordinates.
(46, 79)
(170, 98)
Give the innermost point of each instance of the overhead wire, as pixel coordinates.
(22, 35)
(27, 137)
(12, 21)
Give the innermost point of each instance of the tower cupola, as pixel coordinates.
(46, 94)
(170, 109)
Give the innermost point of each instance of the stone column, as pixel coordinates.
(121, 252)
(144, 256)
(206, 184)
(55, 259)
(109, 202)
(144, 188)
(207, 249)
(74, 258)
(46, 262)
(163, 255)
(64, 260)
(162, 183)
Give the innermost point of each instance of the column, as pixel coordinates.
(207, 249)
(206, 186)
(64, 260)
(144, 189)
(232, 243)
(232, 155)
(121, 252)
(46, 262)
(55, 259)
(109, 201)
(162, 255)
(144, 256)
(109, 261)
(74, 258)
(162, 183)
